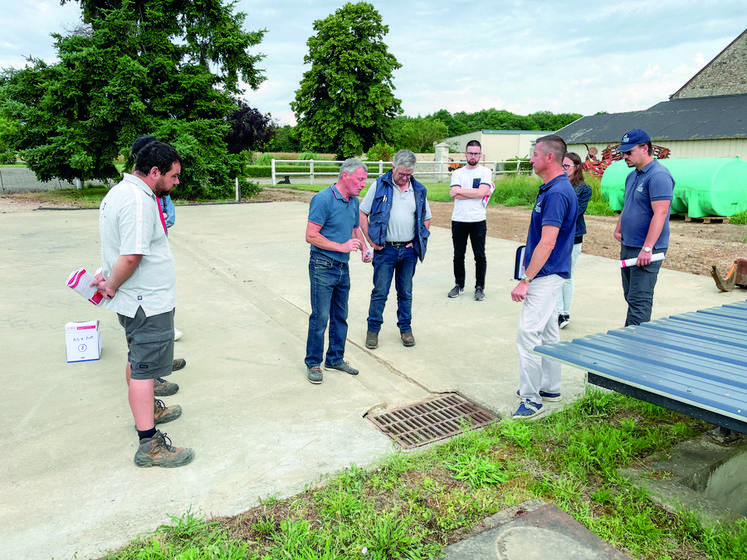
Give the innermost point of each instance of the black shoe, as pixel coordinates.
(408, 339)
(372, 340)
(563, 321)
(178, 364)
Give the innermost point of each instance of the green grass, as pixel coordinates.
(411, 505)
(739, 218)
(89, 197)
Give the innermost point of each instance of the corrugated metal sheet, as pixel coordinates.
(695, 363)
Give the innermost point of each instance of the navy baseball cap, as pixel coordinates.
(632, 138)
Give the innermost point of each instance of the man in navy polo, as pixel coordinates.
(333, 232)
(547, 262)
(643, 226)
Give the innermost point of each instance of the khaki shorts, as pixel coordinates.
(150, 344)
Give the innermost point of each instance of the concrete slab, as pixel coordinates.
(68, 485)
(698, 475)
(533, 532)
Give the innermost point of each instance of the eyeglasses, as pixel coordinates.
(567, 166)
(473, 153)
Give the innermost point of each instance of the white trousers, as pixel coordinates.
(538, 324)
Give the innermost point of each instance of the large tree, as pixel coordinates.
(171, 68)
(345, 100)
(249, 129)
(418, 134)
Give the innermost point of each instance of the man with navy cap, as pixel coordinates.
(643, 226)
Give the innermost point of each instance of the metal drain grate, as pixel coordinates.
(424, 422)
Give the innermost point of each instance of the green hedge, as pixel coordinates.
(258, 171)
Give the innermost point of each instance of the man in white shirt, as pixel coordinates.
(471, 187)
(138, 280)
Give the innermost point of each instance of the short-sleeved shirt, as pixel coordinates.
(130, 224)
(556, 205)
(653, 182)
(401, 225)
(337, 217)
(470, 209)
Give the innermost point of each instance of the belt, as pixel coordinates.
(399, 243)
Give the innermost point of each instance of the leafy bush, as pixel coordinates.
(380, 152)
(307, 155)
(264, 159)
(7, 157)
(249, 189)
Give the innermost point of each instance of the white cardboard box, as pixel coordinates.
(83, 341)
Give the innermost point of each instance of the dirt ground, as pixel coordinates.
(694, 246)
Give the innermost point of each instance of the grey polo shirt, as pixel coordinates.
(129, 224)
(401, 226)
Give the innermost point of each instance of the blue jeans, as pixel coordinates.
(398, 262)
(330, 286)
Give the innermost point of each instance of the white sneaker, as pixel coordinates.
(177, 334)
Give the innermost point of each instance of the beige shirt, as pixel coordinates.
(129, 224)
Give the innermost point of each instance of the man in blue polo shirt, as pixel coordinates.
(547, 261)
(333, 232)
(643, 226)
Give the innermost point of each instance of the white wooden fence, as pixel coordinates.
(429, 171)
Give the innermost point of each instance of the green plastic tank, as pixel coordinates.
(702, 187)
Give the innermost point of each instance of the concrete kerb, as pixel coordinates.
(258, 427)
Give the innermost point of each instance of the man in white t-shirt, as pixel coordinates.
(471, 187)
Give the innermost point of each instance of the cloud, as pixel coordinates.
(519, 55)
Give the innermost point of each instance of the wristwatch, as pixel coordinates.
(525, 277)
(647, 249)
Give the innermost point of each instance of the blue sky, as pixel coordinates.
(519, 55)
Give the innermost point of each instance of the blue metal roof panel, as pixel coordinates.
(697, 358)
(687, 343)
(715, 395)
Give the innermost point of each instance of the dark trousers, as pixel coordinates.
(638, 286)
(476, 231)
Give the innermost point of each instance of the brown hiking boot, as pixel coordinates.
(408, 339)
(158, 452)
(163, 413)
(178, 364)
(163, 388)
